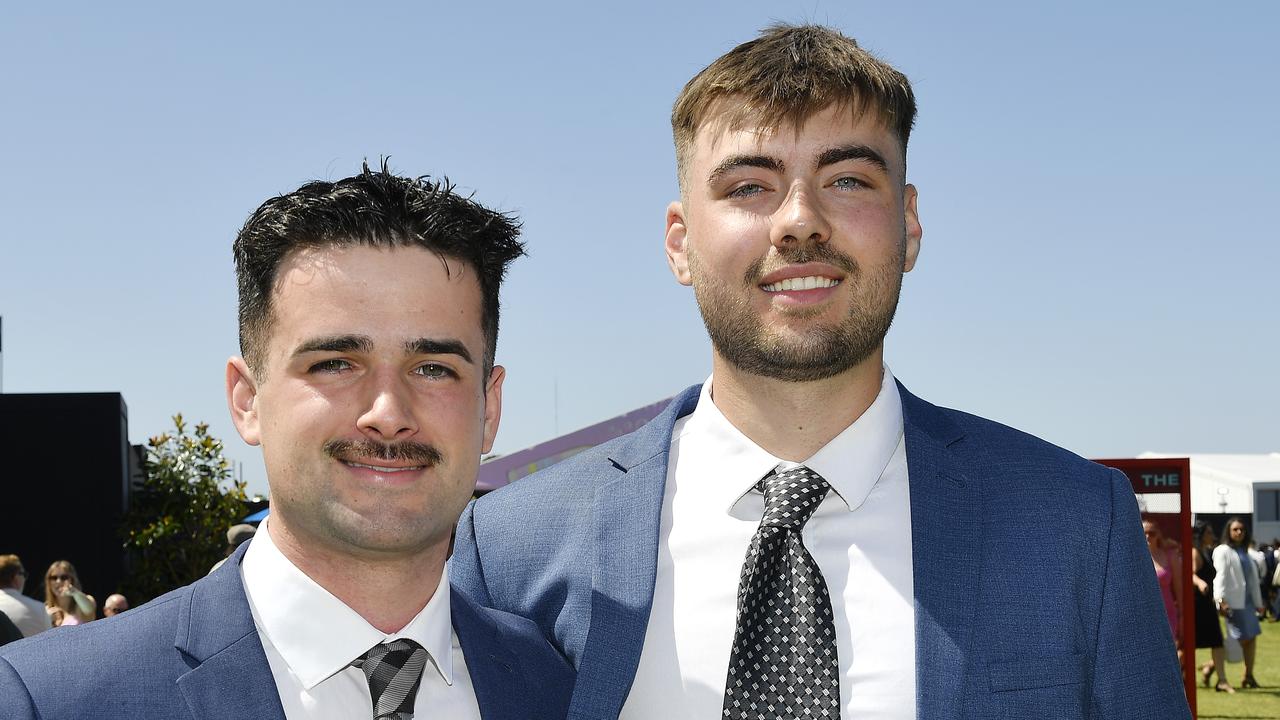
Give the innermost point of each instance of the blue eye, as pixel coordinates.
(746, 190)
(848, 183)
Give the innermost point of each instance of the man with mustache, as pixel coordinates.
(801, 536)
(368, 323)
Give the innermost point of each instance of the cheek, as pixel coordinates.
(871, 225)
(728, 227)
(292, 417)
(726, 246)
(455, 416)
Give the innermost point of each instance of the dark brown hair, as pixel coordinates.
(375, 209)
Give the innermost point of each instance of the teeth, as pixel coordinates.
(382, 469)
(811, 282)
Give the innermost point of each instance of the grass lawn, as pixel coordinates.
(1261, 704)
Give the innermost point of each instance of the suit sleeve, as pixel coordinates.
(465, 573)
(1135, 672)
(17, 702)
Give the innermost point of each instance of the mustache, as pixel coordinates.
(402, 451)
(822, 252)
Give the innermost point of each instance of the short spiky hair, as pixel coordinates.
(374, 209)
(786, 76)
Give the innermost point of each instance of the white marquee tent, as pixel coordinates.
(1233, 484)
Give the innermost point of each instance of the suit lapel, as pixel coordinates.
(628, 515)
(230, 677)
(946, 524)
(497, 676)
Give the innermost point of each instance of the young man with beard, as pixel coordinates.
(368, 322)
(800, 536)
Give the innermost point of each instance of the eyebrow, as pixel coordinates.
(364, 344)
(429, 346)
(852, 152)
(336, 343)
(830, 156)
(733, 162)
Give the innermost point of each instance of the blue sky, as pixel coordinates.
(1098, 189)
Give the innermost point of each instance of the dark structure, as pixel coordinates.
(64, 484)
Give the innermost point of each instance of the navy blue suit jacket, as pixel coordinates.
(1034, 591)
(195, 653)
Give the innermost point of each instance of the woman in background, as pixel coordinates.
(1236, 592)
(66, 603)
(1166, 561)
(1208, 628)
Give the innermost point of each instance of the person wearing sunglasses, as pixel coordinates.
(65, 602)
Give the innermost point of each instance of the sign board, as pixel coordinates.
(1161, 476)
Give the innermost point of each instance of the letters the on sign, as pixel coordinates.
(1162, 480)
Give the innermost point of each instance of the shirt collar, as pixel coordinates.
(316, 634)
(852, 462)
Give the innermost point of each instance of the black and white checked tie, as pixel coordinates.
(394, 671)
(783, 663)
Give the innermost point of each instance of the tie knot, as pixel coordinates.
(394, 670)
(792, 496)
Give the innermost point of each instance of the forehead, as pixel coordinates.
(733, 131)
(394, 292)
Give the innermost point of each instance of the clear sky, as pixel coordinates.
(1098, 187)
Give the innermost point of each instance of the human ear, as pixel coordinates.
(492, 406)
(911, 221)
(677, 243)
(242, 400)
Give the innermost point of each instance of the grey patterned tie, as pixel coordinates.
(783, 663)
(394, 671)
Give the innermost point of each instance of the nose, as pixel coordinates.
(388, 413)
(799, 220)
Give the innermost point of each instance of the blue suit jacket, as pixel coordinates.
(195, 653)
(1034, 591)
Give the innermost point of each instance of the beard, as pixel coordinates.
(740, 336)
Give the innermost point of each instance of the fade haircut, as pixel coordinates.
(786, 76)
(372, 209)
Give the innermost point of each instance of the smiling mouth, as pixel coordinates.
(383, 468)
(810, 282)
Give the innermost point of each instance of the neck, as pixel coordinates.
(387, 591)
(793, 420)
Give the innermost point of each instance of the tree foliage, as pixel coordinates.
(177, 522)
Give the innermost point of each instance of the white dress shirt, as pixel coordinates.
(29, 615)
(860, 536)
(311, 637)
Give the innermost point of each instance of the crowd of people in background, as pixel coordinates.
(1236, 582)
(65, 601)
